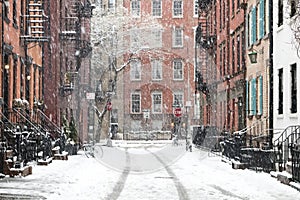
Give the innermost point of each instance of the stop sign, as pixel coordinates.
(177, 112)
(108, 106)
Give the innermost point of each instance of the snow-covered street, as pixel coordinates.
(155, 171)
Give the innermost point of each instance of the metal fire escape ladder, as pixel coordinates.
(204, 43)
(71, 36)
(36, 20)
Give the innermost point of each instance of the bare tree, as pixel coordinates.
(294, 9)
(117, 38)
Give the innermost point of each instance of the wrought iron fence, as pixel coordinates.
(296, 163)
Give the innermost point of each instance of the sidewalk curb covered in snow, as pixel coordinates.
(285, 178)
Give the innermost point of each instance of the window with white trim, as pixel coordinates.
(157, 102)
(177, 8)
(135, 39)
(178, 37)
(157, 38)
(136, 8)
(294, 88)
(177, 69)
(112, 5)
(136, 102)
(178, 99)
(135, 69)
(156, 8)
(156, 69)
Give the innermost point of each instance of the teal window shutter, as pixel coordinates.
(253, 97)
(254, 25)
(261, 94)
(247, 98)
(261, 18)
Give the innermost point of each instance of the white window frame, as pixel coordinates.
(180, 99)
(132, 110)
(177, 9)
(157, 107)
(177, 73)
(135, 67)
(157, 11)
(178, 37)
(135, 40)
(157, 38)
(156, 65)
(112, 5)
(135, 7)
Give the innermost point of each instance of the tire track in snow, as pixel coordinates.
(121, 182)
(182, 193)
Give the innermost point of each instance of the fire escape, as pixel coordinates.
(77, 47)
(35, 22)
(206, 42)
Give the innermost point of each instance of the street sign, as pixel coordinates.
(108, 106)
(177, 112)
(146, 113)
(90, 95)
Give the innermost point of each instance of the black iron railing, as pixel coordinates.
(296, 163)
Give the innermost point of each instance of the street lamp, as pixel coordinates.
(253, 57)
(187, 127)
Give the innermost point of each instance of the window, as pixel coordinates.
(135, 39)
(233, 7)
(280, 91)
(294, 88)
(135, 103)
(178, 99)
(156, 69)
(253, 97)
(177, 8)
(196, 5)
(112, 5)
(157, 38)
(135, 70)
(135, 7)
(6, 11)
(220, 17)
(280, 13)
(233, 55)
(177, 37)
(293, 8)
(253, 25)
(178, 70)
(15, 14)
(15, 70)
(156, 102)
(156, 8)
(238, 51)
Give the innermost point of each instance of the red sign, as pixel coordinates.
(108, 106)
(177, 112)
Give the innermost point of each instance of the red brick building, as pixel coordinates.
(68, 65)
(162, 78)
(22, 64)
(224, 103)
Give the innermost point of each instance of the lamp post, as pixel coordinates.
(187, 124)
